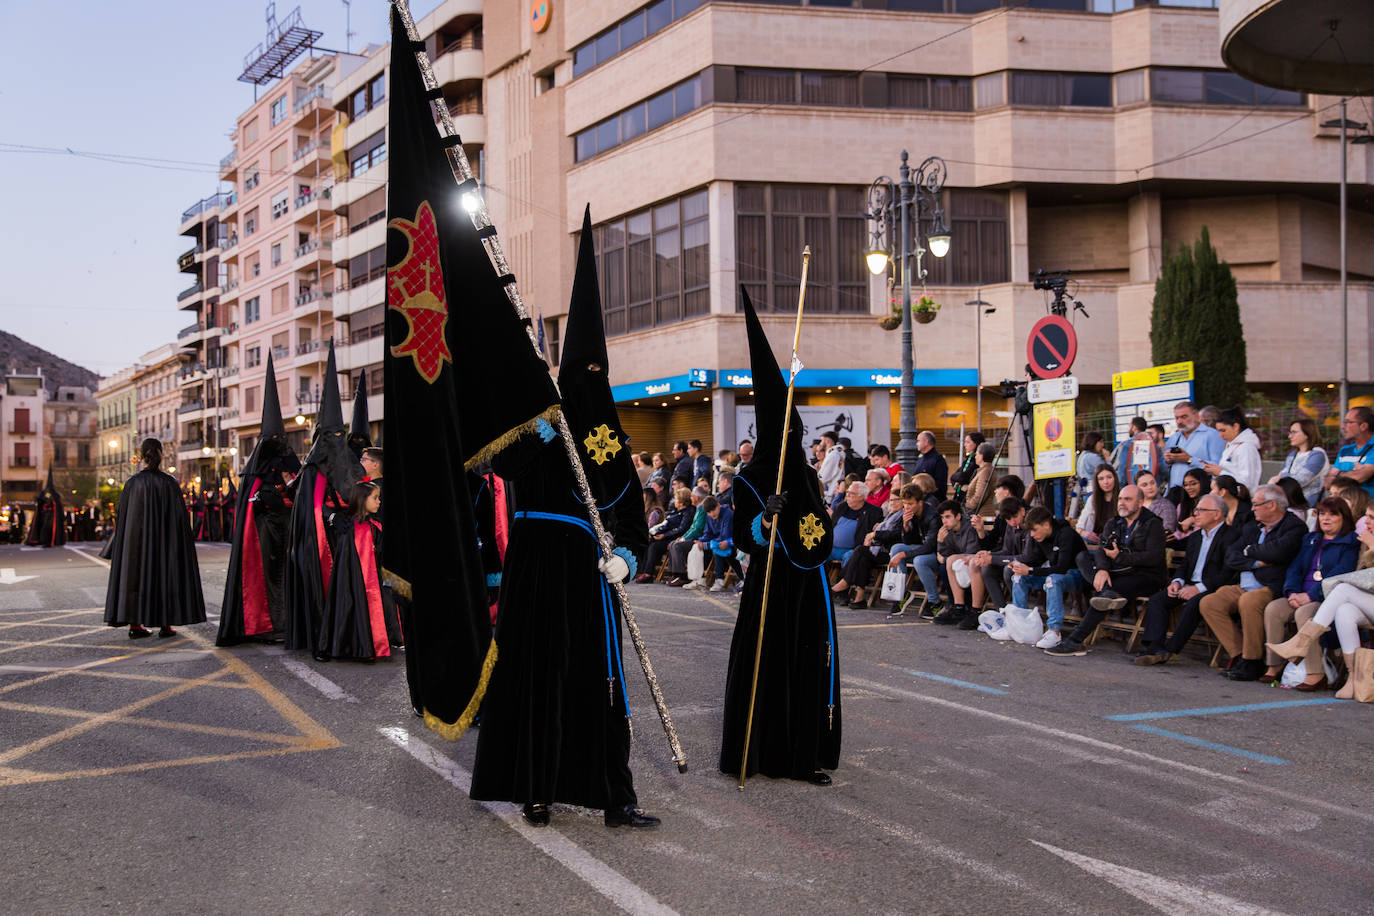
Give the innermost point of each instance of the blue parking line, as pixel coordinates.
(1211, 745)
(1213, 710)
(957, 683)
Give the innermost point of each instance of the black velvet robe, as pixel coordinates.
(154, 576)
(359, 620)
(796, 727)
(254, 605)
(321, 491)
(47, 528)
(210, 528)
(555, 724)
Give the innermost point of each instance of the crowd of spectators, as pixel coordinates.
(1180, 525)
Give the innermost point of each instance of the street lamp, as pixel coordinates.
(914, 201)
(1344, 123)
(984, 308)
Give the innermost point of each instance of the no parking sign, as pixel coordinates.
(1054, 439)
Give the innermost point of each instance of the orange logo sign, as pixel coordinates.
(539, 15)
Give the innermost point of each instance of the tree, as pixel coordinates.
(1196, 316)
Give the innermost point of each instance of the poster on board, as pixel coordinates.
(845, 420)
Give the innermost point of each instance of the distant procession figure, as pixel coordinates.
(359, 619)
(154, 576)
(48, 528)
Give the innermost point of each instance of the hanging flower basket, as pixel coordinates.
(890, 322)
(924, 310)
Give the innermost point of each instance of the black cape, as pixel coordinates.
(796, 728)
(359, 620)
(47, 528)
(311, 552)
(555, 724)
(154, 576)
(261, 527)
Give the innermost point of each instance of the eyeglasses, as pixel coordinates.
(1205, 509)
(1257, 503)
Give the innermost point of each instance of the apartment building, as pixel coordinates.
(713, 139)
(157, 398)
(23, 460)
(69, 432)
(452, 33)
(117, 427)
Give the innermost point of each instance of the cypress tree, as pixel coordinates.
(1196, 316)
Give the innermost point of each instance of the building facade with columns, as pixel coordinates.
(714, 139)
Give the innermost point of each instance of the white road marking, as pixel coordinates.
(94, 559)
(1161, 893)
(7, 576)
(605, 880)
(321, 683)
(1245, 786)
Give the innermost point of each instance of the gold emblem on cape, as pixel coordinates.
(811, 530)
(601, 444)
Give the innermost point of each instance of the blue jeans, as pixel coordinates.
(1055, 586)
(906, 550)
(928, 569)
(840, 554)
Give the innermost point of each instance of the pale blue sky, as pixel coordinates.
(88, 247)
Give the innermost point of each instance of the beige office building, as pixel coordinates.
(714, 139)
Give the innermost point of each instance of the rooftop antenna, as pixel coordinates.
(348, 26)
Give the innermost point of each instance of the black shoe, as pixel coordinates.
(166, 633)
(969, 621)
(1154, 658)
(819, 779)
(896, 610)
(930, 608)
(321, 657)
(536, 815)
(1067, 648)
(1249, 669)
(949, 616)
(1107, 600)
(139, 632)
(627, 816)
(1230, 666)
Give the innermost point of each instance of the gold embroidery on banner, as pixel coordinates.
(811, 530)
(601, 444)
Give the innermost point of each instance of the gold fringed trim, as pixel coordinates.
(507, 439)
(396, 583)
(453, 731)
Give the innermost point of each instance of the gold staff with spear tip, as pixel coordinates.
(773, 528)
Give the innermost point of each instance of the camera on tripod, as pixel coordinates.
(1057, 282)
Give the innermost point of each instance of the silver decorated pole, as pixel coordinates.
(458, 160)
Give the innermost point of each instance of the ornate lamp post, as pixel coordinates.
(914, 203)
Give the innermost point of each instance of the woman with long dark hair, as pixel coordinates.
(1100, 507)
(154, 576)
(359, 620)
(1237, 499)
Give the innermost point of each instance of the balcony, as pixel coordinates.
(307, 206)
(205, 205)
(190, 406)
(310, 102)
(228, 166)
(229, 243)
(280, 353)
(186, 261)
(23, 429)
(22, 463)
(190, 331)
(193, 290)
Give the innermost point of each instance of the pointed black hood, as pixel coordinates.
(359, 434)
(272, 424)
(582, 376)
(804, 526)
(329, 451)
(50, 491)
(330, 416)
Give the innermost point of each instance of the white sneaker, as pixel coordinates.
(1049, 640)
(695, 583)
(717, 586)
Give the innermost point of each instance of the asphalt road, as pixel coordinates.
(976, 777)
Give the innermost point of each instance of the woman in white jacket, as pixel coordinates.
(1241, 457)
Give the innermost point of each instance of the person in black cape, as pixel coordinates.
(212, 514)
(254, 605)
(796, 730)
(154, 576)
(228, 509)
(48, 527)
(555, 724)
(327, 477)
(359, 620)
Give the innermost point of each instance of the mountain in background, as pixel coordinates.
(19, 356)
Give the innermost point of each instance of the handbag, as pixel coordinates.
(1362, 675)
(696, 563)
(1363, 579)
(894, 584)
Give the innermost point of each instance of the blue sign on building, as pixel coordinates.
(806, 378)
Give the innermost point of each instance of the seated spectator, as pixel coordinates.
(1092, 454)
(957, 546)
(704, 481)
(992, 530)
(677, 551)
(852, 521)
(1203, 571)
(1297, 502)
(967, 466)
(682, 462)
(682, 483)
(1240, 458)
(1191, 444)
(1356, 459)
(674, 526)
(929, 461)
(930, 502)
(1329, 551)
(659, 486)
(1307, 463)
(978, 494)
(1196, 483)
(1129, 564)
(1137, 452)
(873, 552)
(1048, 563)
(880, 456)
(952, 535)
(1261, 554)
(879, 486)
(643, 467)
(660, 471)
(1356, 498)
(1237, 499)
(701, 464)
(1347, 608)
(897, 537)
(1013, 485)
(1100, 507)
(745, 451)
(991, 563)
(725, 488)
(717, 541)
(1155, 501)
(653, 512)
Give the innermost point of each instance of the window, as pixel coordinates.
(281, 296)
(251, 177)
(250, 222)
(281, 205)
(250, 395)
(277, 159)
(278, 110)
(250, 133)
(377, 88)
(633, 121)
(989, 91)
(370, 152)
(276, 254)
(1056, 89)
(366, 267)
(979, 250)
(252, 356)
(83, 453)
(1130, 87)
(251, 312)
(368, 97)
(252, 265)
(629, 31)
(654, 266)
(367, 323)
(774, 221)
(551, 340)
(929, 92)
(1216, 87)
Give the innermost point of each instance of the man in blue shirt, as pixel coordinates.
(1191, 444)
(1356, 459)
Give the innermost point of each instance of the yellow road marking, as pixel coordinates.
(15, 646)
(14, 777)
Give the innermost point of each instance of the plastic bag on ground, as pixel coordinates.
(993, 623)
(1024, 624)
